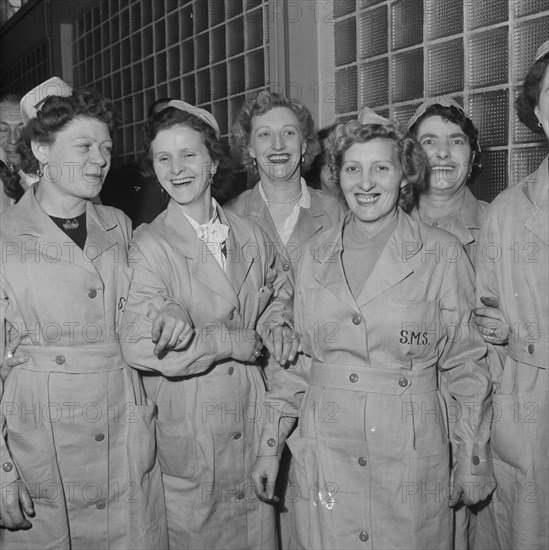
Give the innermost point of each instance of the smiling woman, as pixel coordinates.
(377, 472)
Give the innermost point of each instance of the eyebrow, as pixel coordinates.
(454, 135)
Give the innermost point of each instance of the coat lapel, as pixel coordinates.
(42, 235)
(537, 194)
(200, 262)
(392, 266)
(330, 272)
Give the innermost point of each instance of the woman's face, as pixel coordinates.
(277, 145)
(79, 158)
(371, 177)
(183, 164)
(448, 151)
(542, 108)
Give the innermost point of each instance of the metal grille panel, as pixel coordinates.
(489, 57)
(368, 3)
(407, 75)
(525, 161)
(346, 90)
(494, 177)
(489, 111)
(407, 20)
(487, 12)
(344, 7)
(403, 113)
(374, 83)
(529, 7)
(345, 42)
(527, 38)
(373, 32)
(444, 18)
(445, 67)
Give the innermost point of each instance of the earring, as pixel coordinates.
(302, 159)
(210, 181)
(255, 163)
(41, 168)
(540, 125)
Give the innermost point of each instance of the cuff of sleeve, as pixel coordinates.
(269, 445)
(8, 470)
(474, 459)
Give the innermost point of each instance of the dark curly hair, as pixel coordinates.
(457, 116)
(259, 105)
(10, 182)
(528, 98)
(171, 116)
(411, 155)
(55, 113)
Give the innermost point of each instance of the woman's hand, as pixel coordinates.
(283, 343)
(491, 322)
(247, 345)
(171, 329)
(264, 473)
(9, 360)
(15, 504)
(470, 488)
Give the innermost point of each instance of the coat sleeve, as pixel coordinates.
(283, 401)
(8, 469)
(149, 293)
(487, 284)
(463, 362)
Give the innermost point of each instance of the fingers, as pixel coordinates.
(277, 337)
(184, 338)
(290, 347)
(10, 508)
(489, 301)
(26, 501)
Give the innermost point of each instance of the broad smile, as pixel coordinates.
(441, 168)
(367, 198)
(279, 158)
(181, 181)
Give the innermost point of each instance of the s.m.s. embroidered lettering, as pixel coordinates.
(419, 338)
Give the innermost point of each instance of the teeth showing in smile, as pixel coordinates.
(443, 168)
(279, 158)
(368, 198)
(182, 181)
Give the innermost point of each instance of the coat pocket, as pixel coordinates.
(428, 486)
(144, 438)
(177, 447)
(509, 439)
(33, 454)
(412, 329)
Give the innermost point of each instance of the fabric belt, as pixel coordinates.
(371, 380)
(72, 359)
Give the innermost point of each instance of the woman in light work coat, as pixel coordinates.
(210, 395)
(513, 269)
(275, 139)
(77, 452)
(385, 304)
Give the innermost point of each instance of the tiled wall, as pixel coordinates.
(392, 54)
(207, 52)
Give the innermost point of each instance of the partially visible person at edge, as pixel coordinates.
(514, 271)
(275, 139)
(225, 271)
(14, 182)
(81, 470)
(371, 462)
(140, 198)
(451, 143)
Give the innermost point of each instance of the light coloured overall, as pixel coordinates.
(210, 407)
(76, 425)
(513, 268)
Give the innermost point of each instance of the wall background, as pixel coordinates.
(334, 55)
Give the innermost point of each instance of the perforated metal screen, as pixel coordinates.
(476, 51)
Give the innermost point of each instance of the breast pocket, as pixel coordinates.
(412, 329)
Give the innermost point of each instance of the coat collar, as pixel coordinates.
(32, 223)
(391, 268)
(536, 191)
(462, 222)
(202, 264)
(308, 223)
